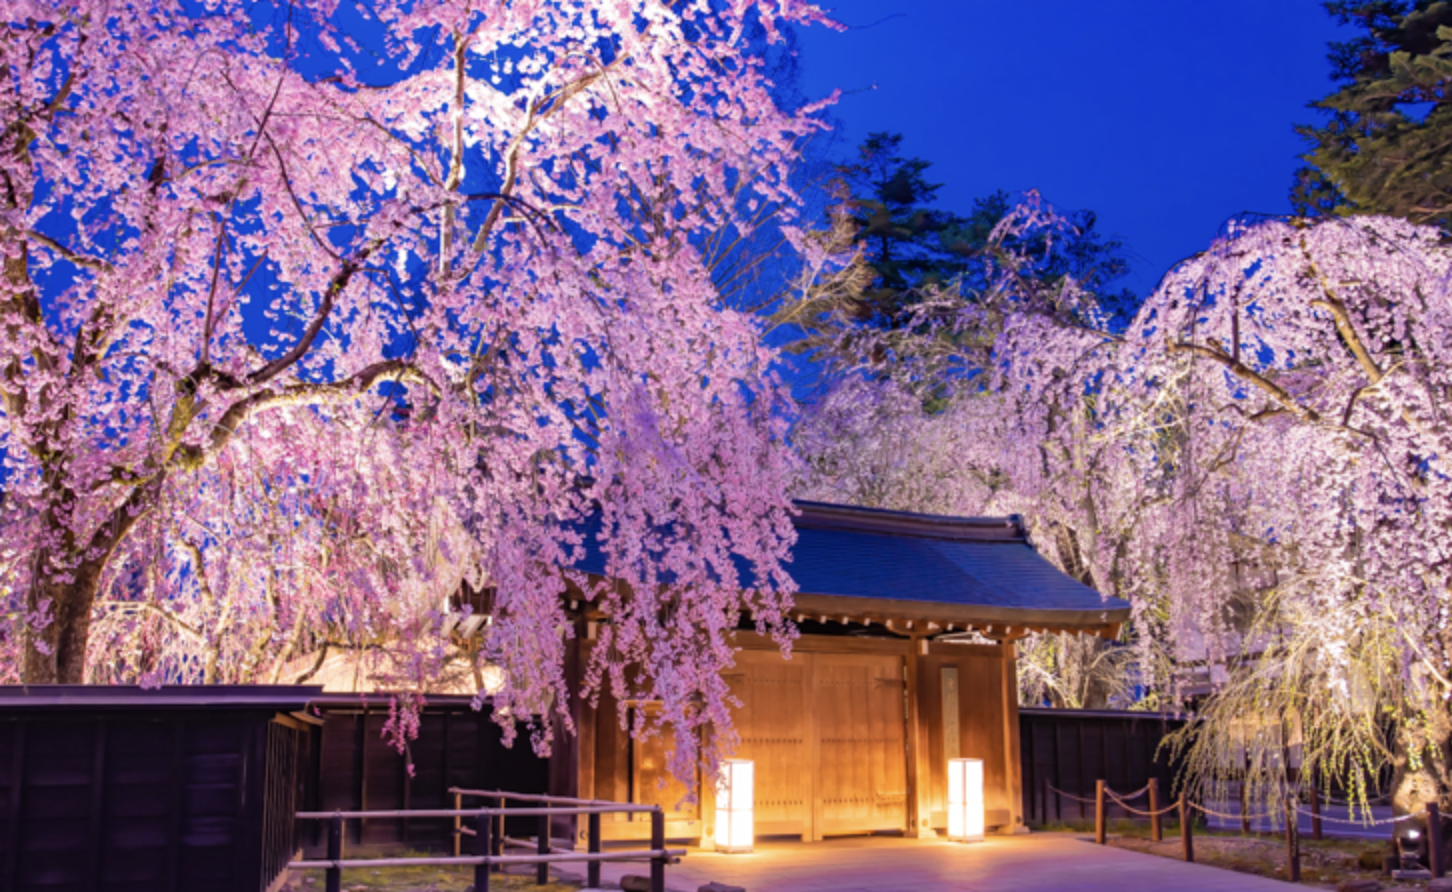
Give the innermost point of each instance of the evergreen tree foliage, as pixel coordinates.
(1387, 144)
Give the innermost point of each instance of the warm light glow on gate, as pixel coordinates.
(736, 806)
(965, 800)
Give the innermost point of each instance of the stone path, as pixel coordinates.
(1038, 862)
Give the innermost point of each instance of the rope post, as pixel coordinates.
(592, 870)
(1315, 810)
(458, 824)
(657, 842)
(1187, 829)
(484, 847)
(542, 870)
(1436, 857)
(1293, 843)
(1157, 832)
(334, 879)
(1099, 812)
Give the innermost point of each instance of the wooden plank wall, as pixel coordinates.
(456, 746)
(1070, 749)
(101, 802)
(985, 673)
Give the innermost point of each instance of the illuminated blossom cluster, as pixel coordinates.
(311, 312)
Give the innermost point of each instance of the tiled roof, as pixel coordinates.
(956, 566)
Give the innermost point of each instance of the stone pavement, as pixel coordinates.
(1037, 862)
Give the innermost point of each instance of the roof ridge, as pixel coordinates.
(827, 515)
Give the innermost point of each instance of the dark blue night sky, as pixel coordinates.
(1164, 116)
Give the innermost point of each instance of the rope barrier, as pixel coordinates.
(1237, 817)
(1363, 823)
(1148, 814)
(1135, 795)
(1069, 795)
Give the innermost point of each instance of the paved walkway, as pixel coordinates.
(1038, 862)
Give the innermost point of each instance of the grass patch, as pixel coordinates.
(422, 878)
(1324, 863)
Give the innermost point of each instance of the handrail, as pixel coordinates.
(489, 843)
(473, 860)
(533, 797)
(474, 812)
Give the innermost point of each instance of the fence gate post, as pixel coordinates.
(458, 824)
(592, 870)
(1099, 812)
(334, 877)
(1157, 832)
(542, 870)
(1293, 843)
(1187, 828)
(657, 842)
(1436, 857)
(483, 847)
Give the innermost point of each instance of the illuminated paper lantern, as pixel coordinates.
(965, 800)
(736, 806)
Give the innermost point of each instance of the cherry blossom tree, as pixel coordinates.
(1305, 365)
(1257, 463)
(310, 312)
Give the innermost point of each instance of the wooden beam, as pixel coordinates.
(811, 811)
(1012, 754)
(919, 771)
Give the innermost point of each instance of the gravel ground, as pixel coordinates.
(1324, 864)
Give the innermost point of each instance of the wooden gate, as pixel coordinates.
(826, 732)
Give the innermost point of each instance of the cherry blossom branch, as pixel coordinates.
(1217, 354)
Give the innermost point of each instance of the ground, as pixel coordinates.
(1061, 858)
(418, 879)
(1324, 863)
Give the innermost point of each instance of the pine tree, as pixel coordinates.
(1387, 145)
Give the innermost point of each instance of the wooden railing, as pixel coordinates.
(489, 844)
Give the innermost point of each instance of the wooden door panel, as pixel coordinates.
(862, 777)
(772, 724)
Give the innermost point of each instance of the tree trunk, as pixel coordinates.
(69, 630)
(1420, 771)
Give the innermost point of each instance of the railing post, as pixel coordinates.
(1436, 857)
(1315, 810)
(542, 870)
(499, 836)
(1293, 843)
(483, 847)
(334, 878)
(458, 824)
(657, 842)
(592, 870)
(1099, 812)
(1157, 832)
(1187, 828)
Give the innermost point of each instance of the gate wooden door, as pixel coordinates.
(827, 734)
(862, 755)
(774, 729)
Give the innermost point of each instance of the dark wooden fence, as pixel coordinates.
(1065, 751)
(130, 790)
(357, 769)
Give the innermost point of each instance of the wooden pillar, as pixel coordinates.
(1012, 754)
(811, 808)
(565, 762)
(708, 813)
(919, 772)
(585, 719)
